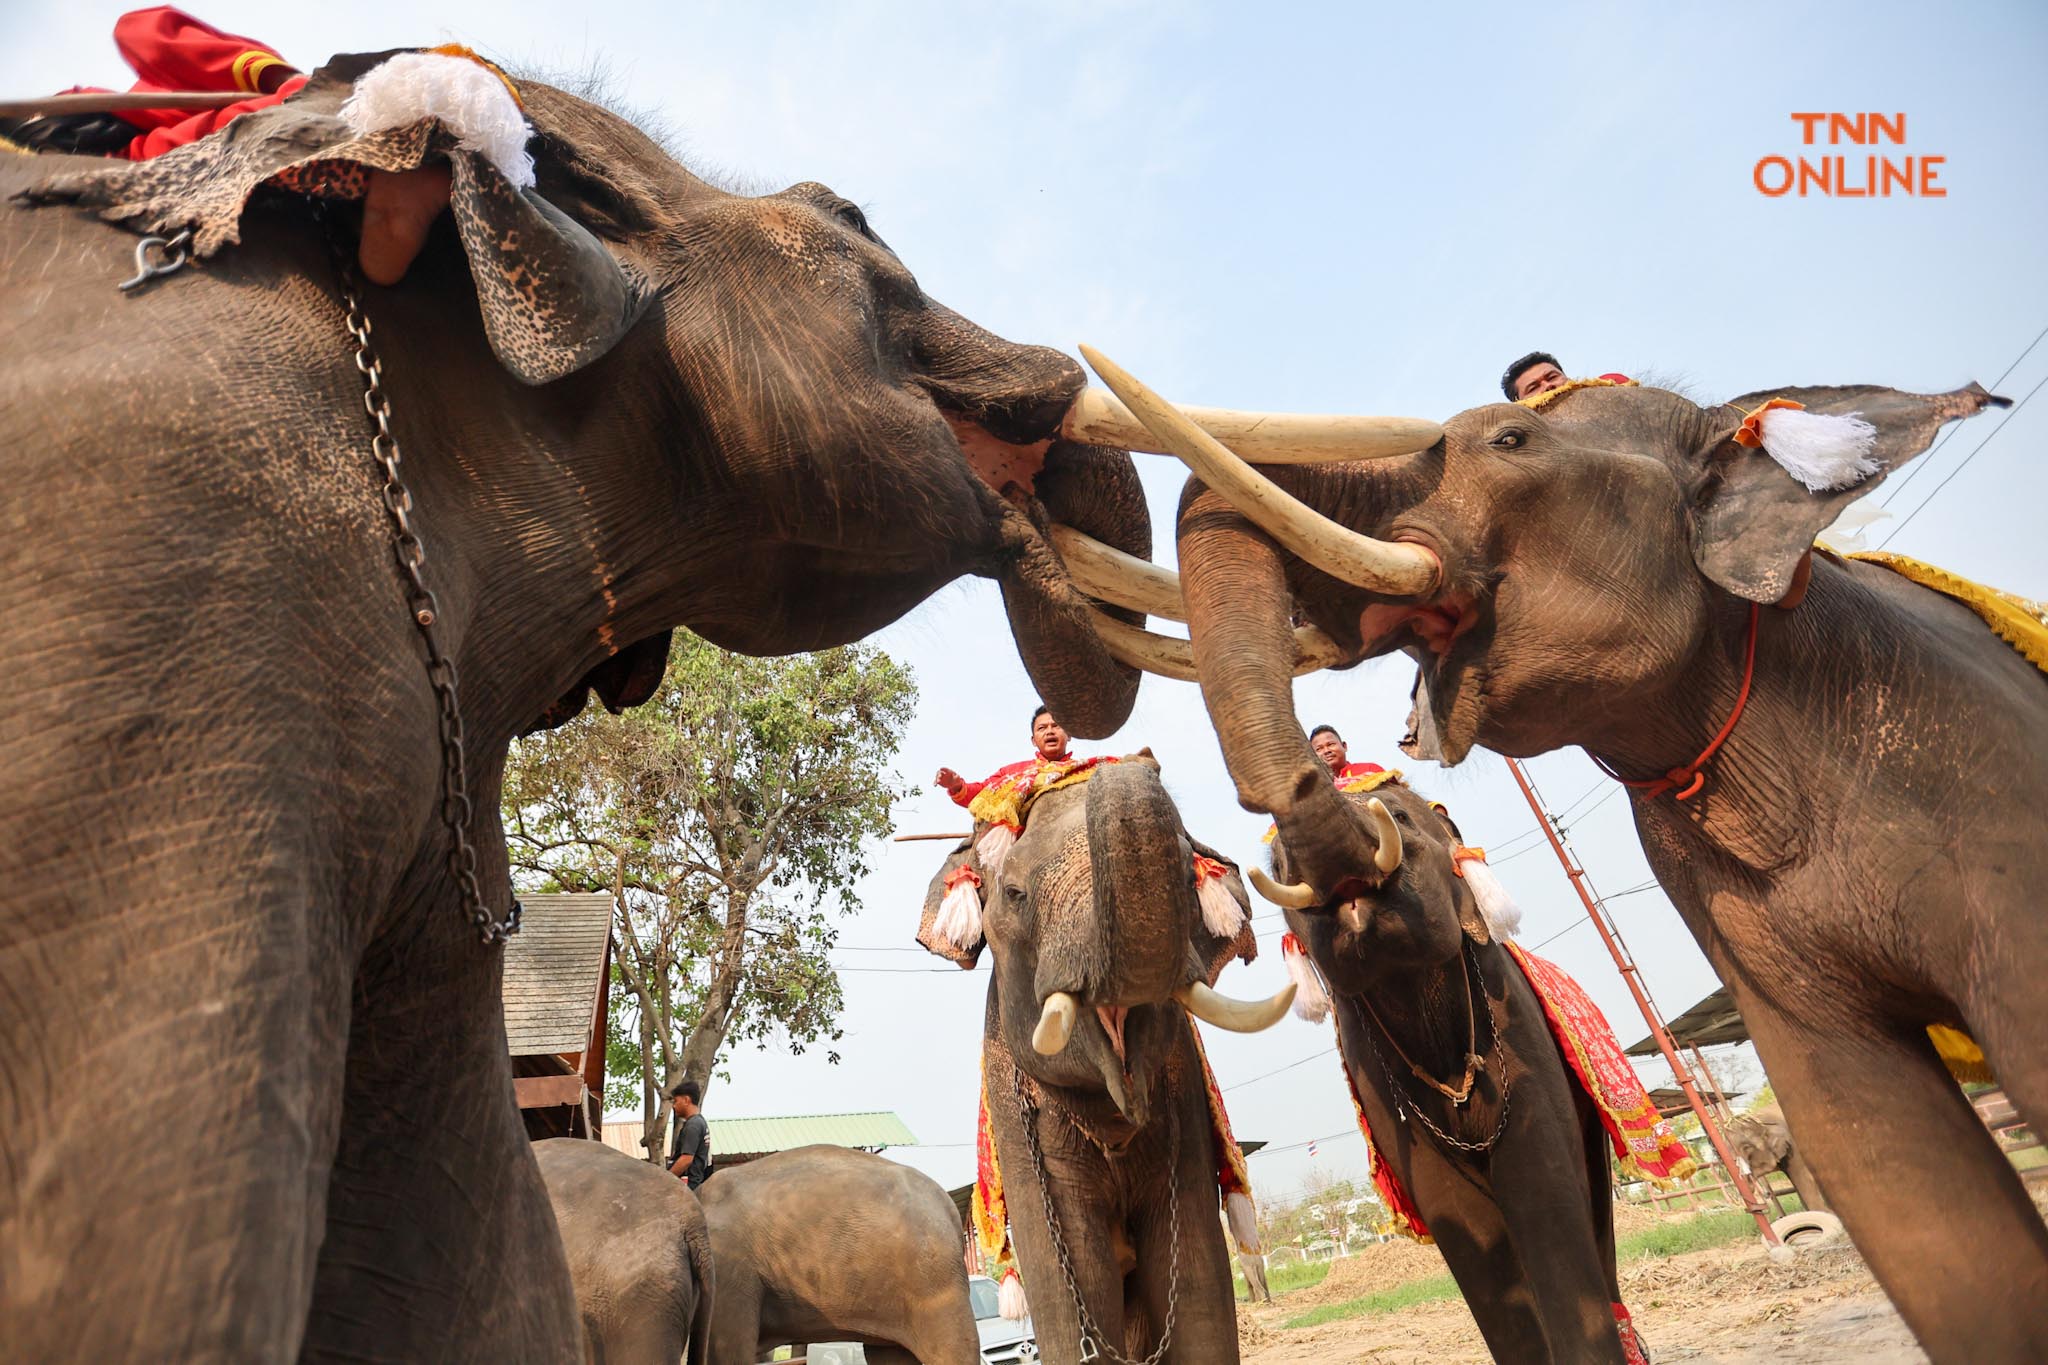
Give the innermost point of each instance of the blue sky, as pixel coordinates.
(1325, 208)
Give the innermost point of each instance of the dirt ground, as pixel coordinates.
(1729, 1305)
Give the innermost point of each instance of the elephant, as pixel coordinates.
(1839, 771)
(1094, 1085)
(820, 1244)
(1243, 1219)
(639, 1255)
(1764, 1143)
(249, 820)
(1522, 1205)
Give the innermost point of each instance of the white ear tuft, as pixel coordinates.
(1010, 1298)
(468, 97)
(994, 847)
(959, 918)
(1310, 1001)
(1822, 451)
(1503, 917)
(1221, 914)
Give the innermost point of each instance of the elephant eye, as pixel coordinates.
(851, 215)
(1510, 440)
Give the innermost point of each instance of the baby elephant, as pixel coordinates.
(639, 1255)
(827, 1244)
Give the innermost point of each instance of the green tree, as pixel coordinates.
(728, 818)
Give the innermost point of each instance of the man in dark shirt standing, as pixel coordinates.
(689, 1151)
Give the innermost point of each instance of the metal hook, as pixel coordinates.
(174, 257)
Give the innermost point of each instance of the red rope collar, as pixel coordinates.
(1690, 777)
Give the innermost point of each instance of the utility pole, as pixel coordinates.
(1610, 934)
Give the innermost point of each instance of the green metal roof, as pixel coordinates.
(758, 1137)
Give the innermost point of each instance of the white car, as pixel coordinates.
(1002, 1342)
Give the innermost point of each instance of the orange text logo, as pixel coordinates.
(1851, 175)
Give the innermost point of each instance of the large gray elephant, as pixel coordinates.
(824, 1244)
(1513, 1179)
(1841, 770)
(627, 401)
(639, 1256)
(1764, 1142)
(1094, 1083)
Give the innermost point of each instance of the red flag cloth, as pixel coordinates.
(1643, 1142)
(170, 50)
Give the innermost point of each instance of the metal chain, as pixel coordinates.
(456, 809)
(1059, 1242)
(1403, 1103)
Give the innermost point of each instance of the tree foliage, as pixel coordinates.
(729, 818)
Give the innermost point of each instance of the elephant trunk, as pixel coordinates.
(1144, 895)
(1239, 619)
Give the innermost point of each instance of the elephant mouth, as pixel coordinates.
(1434, 627)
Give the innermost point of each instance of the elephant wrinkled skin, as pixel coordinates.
(227, 882)
(822, 1244)
(1098, 900)
(1861, 857)
(1526, 1225)
(639, 1256)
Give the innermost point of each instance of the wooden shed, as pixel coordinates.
(556, 970)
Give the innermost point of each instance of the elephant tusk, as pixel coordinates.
(1097, 418)
(1239, 1016)
(1105, 572)
(1173, 657)
(1396, 568)
(1297, 896)
(1388, 857)
(1055, 1024)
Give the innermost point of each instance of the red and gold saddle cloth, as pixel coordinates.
(1644, 1145)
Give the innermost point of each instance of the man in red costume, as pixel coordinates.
(1330, 747)
(1048, 746)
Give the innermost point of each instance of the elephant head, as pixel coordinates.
(1100, 937)
(1411, 907)
(1557, 571)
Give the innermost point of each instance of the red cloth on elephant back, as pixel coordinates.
(170, 50)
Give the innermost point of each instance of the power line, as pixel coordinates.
(1928, 459)
(1304, 1061)
(2011, 413)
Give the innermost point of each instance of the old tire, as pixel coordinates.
(1810, 1229)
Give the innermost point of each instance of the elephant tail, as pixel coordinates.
(704, 1274)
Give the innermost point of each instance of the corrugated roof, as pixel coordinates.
(758, 1137)
(1713, 1020)
(552, 969)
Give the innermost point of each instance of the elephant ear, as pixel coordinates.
(552, 296)
(1773, 477)
(928, 934)
(1213, 951)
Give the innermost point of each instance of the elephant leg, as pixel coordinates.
(1202, 1300)
(940, 1331)
(1540, 1173)
(1599, 1151)
(171, 1075)
(441, 1243)
(735, 1310)
(1937, 1211)
(1473, 1237)
(896, 1355)
(1803, 1182)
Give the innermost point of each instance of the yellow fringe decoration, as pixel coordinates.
(2019, 622)
(1961, 1055)
(1537, 400)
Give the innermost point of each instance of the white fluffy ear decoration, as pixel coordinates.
(1822, 451)
(1310, 1001)
(995, 846)
(1221, 914)
(1010, 1297)
(959, 917)
(469, 98)
(1244, 1222)
(1503, 917)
